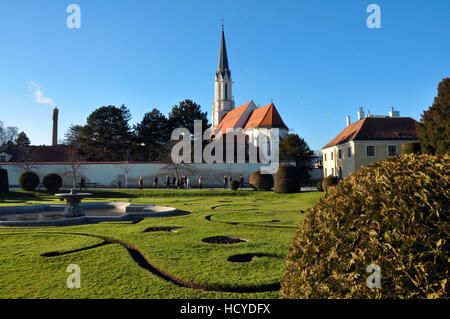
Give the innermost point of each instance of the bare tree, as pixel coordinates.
(74, 161)
(26, 164)
(126, 167)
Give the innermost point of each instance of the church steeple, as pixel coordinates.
(223, 57)
(223, 98)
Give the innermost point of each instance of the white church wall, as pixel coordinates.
(107, 174)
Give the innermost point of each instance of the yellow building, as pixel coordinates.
(369, 140)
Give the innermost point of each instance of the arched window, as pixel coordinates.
(226, 91)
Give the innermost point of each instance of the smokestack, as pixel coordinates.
(348, 120)
(55, 127)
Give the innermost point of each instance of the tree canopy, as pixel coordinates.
(23, 140)
(152, 133)
(107, 135)
(434, 129)
(294, 148)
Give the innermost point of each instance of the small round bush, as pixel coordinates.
(393, 214)
(52, 182)
(29, 181)
(4, 183)
(286, 180)
(329, 181)
(411, 148)
(234, 185)
(261, 182)
(319, 185)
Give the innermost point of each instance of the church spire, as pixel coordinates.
(223, 57)
(223, 95)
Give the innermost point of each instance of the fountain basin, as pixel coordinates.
(73, 207)
(94, 212)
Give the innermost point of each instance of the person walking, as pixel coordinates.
(174, 181)
(184, 182)
(188, 183)
(140, 182)
(225, 182)
(82, 183)
(155, 182)
(241, 181)
(167, 181)
(200, 182)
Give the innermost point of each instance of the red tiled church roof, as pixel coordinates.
(377, 128)
(232, 117)
(266, 116)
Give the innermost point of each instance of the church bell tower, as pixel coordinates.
(223, 98)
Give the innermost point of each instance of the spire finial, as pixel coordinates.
(222, 23)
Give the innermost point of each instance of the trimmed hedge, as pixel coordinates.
(52, 182)
(4, 182)
(411, 148)
(234, 185)
(29, 181)
(286, 180)
(261, 182)
(329, 181)
(393, 214)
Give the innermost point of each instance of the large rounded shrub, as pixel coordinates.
(393, 214)
(329, 181)
(52, 182)
(29, 181)
(286, 180)
(234, 185)
(4, 182)
(261, 182)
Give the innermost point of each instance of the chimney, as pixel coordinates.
(394, 113)
(360, 113)
(55, 127)
(348, 120)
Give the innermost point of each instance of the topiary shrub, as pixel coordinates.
(411, 148)
(52, 182)
(4, 183)
(393, 214)
(329, 181)
(261, 182)
(234, 185)
(286, 180)
(319, 185)
(29, 181)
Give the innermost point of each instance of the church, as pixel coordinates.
(252, 120)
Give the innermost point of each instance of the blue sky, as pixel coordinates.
(316, 60)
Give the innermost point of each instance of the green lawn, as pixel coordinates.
(268, 222)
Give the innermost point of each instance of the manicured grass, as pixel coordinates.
(268, 222)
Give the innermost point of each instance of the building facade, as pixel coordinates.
(369, 140)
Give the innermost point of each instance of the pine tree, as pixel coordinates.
(434, 129)
(23, 140)
(294, 148)
(152, 134)
(107, 135)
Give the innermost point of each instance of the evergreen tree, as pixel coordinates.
(107, 135)
(73, 135)
(152, 134)
(294, 148)
(434, 129)
(184, 114)
(23, 140)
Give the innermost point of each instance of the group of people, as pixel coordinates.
(184, 182)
